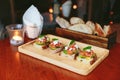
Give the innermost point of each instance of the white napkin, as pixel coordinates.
(32, 17)
(66, 8)
(33, 22)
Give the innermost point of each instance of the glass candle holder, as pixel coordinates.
(16, 34)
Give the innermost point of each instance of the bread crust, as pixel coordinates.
(62, 22)
(56, 50)
(81, 28)
(107, 30)
(99, 31)
(50, 50)
(77, 24)
(37, 46)
(91, 25)
(76, 20)
(68, 55)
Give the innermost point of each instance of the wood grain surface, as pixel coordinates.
(104, 42)
(17, 66)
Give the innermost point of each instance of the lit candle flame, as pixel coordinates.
(17, 38)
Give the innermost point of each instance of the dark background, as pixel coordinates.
(100, 10)
(5, 15)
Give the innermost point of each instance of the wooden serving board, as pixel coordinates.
(64, 62)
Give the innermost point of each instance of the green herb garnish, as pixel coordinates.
(71, 42)
(86, 48)
(54, 39)
(40, 36)
(83, 57)
(65, 51)
(40, 43)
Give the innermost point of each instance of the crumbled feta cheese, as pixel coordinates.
(76, 46)
(40, 39)
(88, 50)
(55, 42)
(70, 49)
(66, 48)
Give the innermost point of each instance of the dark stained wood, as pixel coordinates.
(104, 42)
(17, 66)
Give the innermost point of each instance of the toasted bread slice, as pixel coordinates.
(107, 30)
(81, 28)
(55, 50)
(99, 31)
(62, 22)
(91, 25)
(76, 20)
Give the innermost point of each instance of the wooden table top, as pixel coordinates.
(17, 66)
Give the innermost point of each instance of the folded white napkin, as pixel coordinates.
(32, 17)
(33, 22)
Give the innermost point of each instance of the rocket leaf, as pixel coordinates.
(86, 48)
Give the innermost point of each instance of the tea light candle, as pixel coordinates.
(16, 34)
(16, 39)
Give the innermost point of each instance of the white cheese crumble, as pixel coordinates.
(55, 42)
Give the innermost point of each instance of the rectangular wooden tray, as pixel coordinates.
(64, 62)
(104, 42)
